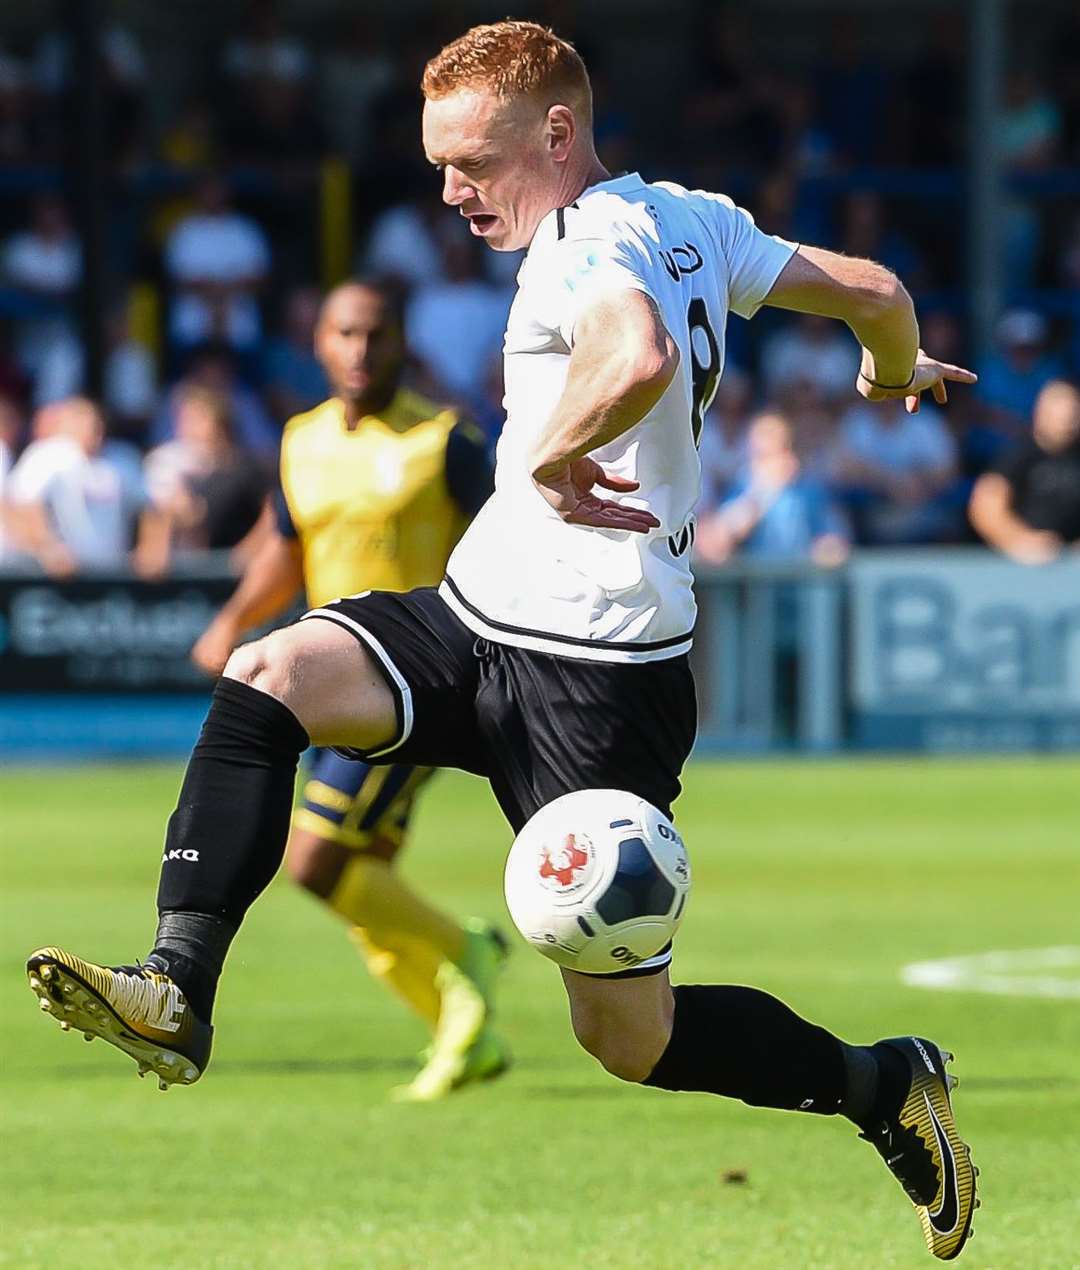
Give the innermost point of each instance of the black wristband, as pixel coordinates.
(888, 387)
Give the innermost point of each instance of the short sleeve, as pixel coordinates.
(283, 521)
(585, 270)
(470, 476)
(33, 473)
(754, 259)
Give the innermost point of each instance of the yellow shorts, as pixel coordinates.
(354, 804)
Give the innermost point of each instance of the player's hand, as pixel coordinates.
(570, 491)
(930, 376)
(212, 649)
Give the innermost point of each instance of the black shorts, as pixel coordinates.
(535, 725)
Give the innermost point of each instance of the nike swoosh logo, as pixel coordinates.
(945, 1216)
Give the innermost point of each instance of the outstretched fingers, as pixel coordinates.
(603, 514)
(621, 484)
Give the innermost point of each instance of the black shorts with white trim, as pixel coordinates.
(536, 725)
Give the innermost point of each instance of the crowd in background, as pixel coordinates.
(178, 454)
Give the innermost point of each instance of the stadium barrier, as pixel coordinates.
(940, 650)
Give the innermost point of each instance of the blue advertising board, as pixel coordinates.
(963, 651)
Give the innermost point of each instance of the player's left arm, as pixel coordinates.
(876, 306)
(622, 362)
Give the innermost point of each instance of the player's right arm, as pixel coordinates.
(876, 306)
(271, 580)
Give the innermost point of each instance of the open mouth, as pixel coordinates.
(482, 222)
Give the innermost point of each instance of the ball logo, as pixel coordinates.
(561, 867)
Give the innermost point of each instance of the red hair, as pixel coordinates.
(512, 59)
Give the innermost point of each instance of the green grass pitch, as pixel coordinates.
(818, 881)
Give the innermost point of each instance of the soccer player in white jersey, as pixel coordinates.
(553, 657)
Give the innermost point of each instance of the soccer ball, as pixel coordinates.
(597, 880)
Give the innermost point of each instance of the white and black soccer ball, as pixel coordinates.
(597, 880)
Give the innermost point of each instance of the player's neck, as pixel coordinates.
(591, 172)
(357, 408)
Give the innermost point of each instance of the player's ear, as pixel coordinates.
(561, 131)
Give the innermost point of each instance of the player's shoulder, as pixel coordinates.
(628, 208)
(408, 408)
(307, 420)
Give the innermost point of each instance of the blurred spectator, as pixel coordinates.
(488, 410)
(124, 76)
(1030, 507)
(1010, 379)
(271, 120)
(263, 51)
(814, 348)
(45, 258)
(71, 503)
(217, 259)
(776, 512)
(16, 129)
(854, 89)
(213, 366)
(125, 66)
(130, 387)
(456, 326)
(44, 262)
(190, 140)
(356, 71)
(406, 241)
(277, 128)
(899, 473)
(292, 378)
(209, 494)
(14, 382)
(866, 233)
(11, 429)
(1029, 137)
(723, 439)
(1030, 129)
(813, 422)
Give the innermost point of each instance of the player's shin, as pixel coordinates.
(226, 838)
(746, 1044)
(408, 966)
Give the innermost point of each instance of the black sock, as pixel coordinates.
(190, 948)
(878, 1080)
(745, 1044)
(226, 838)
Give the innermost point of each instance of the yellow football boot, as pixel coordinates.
(134, 1008)
(924, 1151)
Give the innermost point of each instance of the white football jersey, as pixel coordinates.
(523, 576)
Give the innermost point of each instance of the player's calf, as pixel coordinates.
(625, 1024)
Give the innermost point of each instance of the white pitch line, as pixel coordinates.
(1007, 973)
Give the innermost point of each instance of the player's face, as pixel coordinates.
(501, 163)
(359, 344)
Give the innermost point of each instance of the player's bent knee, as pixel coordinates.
(315, 863)
(267, 664)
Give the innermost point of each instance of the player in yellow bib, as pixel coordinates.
(377, 485)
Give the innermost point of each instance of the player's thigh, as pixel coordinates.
(327, 679)
(624, 1021)
(428, 660)
(555, 725)
(360, 806)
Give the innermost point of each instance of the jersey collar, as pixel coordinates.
(614, 184)
(619, 184)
